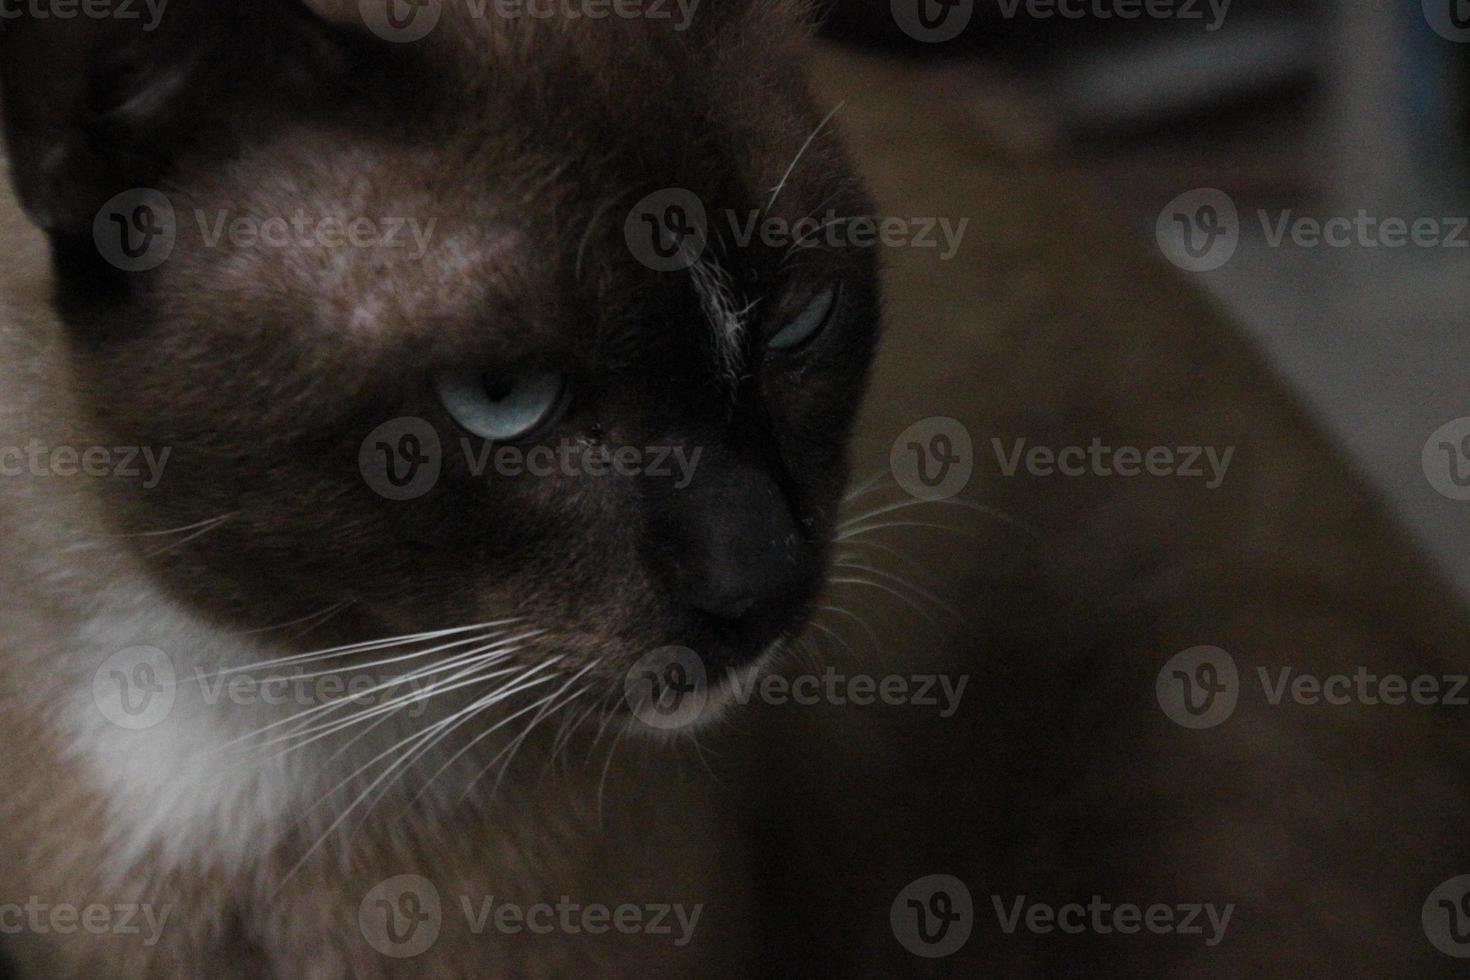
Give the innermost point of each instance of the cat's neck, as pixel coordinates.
(219, 749)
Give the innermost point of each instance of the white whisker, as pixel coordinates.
(204, 529)
(323, 614)
(862, 623)
(854, 532)
(175, 530)
(918, 590)
(475, 659)
(417, 737)
(883, 587)
(363, 647)
(786, 177)
(951, 502)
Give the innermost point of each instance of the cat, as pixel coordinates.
(301, 266)
(833, 839)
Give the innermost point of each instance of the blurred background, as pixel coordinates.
(1357, 110)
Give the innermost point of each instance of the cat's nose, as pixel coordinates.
(745, 559)
(744, 577)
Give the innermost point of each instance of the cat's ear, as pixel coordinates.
(95, 106)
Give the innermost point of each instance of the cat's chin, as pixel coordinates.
(720, 694)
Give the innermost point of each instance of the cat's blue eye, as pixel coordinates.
(808, 323)
(517, 410)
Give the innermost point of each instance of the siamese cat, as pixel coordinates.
(389, 443)
(210, 513)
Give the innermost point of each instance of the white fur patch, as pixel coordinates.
(178, 789)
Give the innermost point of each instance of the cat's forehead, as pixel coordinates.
(496, 211)
(360, 238)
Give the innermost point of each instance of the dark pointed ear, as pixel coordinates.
(96, 106)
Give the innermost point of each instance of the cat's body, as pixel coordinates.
(1057, 777)
(256, 857)
(195, 840)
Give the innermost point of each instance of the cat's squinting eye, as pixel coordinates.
(519, 410)
(808, 323)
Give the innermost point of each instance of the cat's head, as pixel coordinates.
(433, 328)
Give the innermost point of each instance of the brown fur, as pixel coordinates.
(519, 139)
(1059, 777)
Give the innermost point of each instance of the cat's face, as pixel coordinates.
(425, 354)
